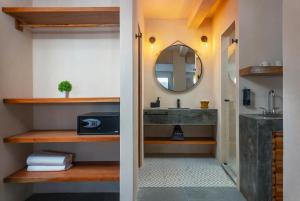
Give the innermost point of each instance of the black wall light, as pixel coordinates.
(204, 40)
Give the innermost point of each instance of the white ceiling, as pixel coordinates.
(168, 9)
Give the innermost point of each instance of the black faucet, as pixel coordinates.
(178, 103)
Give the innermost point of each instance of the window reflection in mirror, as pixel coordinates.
(178, 68)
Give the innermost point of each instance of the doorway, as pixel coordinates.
(228, 107)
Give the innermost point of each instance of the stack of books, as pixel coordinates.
(49, 161)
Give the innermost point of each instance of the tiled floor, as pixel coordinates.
(185, 179)
(183, 172)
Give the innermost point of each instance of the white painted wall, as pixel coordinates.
(260, 40)
(91, 61)
(75, 3)
(226, 15)
(129, 106)
(15, 81)
(167, 32)
(291, 83)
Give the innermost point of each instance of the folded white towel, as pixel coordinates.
(41, 168)
(49, 159)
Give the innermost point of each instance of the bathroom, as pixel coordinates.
(199, 86)
(207, 153)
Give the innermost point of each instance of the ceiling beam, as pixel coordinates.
(200, 12)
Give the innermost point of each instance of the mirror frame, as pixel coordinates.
(201, 68)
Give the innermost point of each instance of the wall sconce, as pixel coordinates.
(204, 40)
(152, 40)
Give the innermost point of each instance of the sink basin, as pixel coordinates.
(181, 108)
(280, 116)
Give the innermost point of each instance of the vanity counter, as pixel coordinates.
(180, 116)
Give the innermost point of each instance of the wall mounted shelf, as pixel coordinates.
(180, 155)
(58, 137)
(80, 172)
(187, 141)
(63, 17)
(60, 100)
(261, 71)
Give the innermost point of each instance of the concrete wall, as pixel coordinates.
(15, 81)
(291, 83)
(163, 31)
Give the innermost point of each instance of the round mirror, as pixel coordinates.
(178, 68)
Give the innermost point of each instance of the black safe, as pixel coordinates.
(99, 123)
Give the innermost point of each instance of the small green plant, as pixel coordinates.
(65, 86)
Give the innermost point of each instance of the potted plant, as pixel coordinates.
(65, 87)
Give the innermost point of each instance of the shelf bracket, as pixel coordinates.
(19, 25)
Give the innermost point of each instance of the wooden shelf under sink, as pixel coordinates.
(261, 71)
(187, 141)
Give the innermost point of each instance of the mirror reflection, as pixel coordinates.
(178, 68)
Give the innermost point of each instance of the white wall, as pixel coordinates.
(15, 81)
(260, 40)
(91, 61)
(129, 106)
(225, 16)
(75, 3)
(167, 32)
(291, 83)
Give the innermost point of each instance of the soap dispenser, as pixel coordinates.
(157, 102)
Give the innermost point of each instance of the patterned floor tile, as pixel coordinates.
(183, 172)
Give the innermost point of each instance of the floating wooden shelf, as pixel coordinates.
(60, 100)
(262, 71)
(190, 141)
(63, 17)
(181, 155)
(80, 172)
(58, 137)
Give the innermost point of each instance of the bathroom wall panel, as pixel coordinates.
(167, 32)
(225, 16)
(260, 39)
(291, 83)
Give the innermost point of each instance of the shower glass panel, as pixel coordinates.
(229, 105)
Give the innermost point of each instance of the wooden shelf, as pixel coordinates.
(58, 137)
(80, 172)
(60, 100)
(190, 141)
(63, 17)
(262, 71)
(180, 155)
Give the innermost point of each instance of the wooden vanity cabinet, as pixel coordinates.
(277, 166)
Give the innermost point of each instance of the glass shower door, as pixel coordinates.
(229, 81)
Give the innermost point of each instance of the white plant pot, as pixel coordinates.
(67, 94)
(64, 94)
